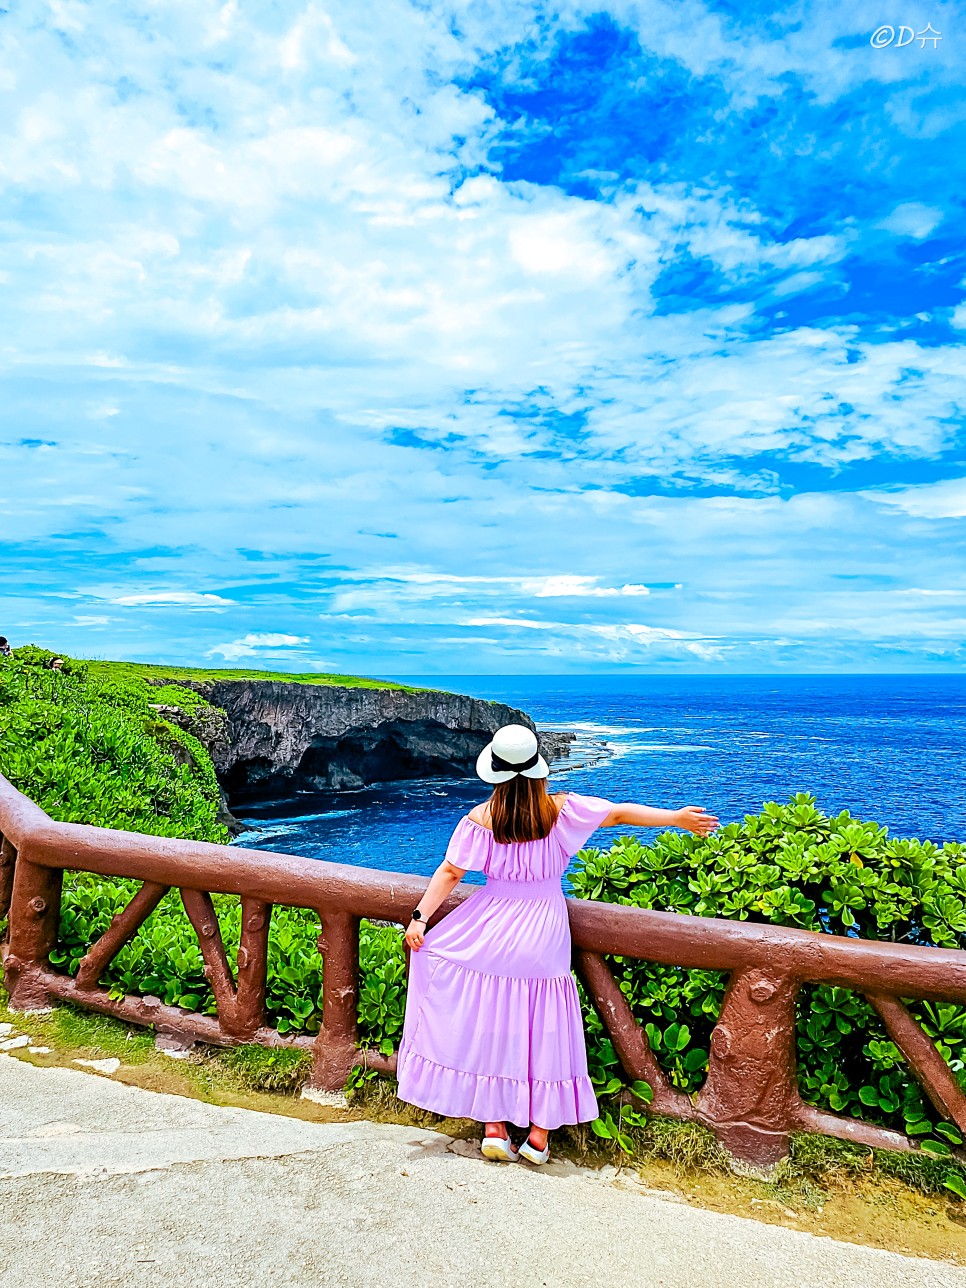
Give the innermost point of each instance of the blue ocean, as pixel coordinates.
(884, 747)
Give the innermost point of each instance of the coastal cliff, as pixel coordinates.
(276, 734)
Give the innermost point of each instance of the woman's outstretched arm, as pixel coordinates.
(441, 885)
(692, 818)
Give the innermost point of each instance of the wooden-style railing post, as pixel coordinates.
(8, 860)
(335, 1052)
(34, 919)
(750, 1098)
(241, 1005)
(124, 925)
(628, 1038)
(935, 1076)
(252, 967)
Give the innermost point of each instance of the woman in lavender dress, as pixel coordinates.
(493, 1028)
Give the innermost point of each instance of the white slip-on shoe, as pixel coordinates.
(533, 1155)
(499, 1149)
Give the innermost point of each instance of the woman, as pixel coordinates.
(493, 1028)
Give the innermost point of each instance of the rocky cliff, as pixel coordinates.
(275, 735)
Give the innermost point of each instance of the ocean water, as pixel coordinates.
(888, 748)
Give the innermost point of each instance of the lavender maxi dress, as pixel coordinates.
(493, 1029)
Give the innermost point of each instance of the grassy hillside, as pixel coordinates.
(91, 748)
(158, 671)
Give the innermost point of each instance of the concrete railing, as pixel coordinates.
(750, 1098)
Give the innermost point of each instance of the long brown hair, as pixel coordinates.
(521, 810)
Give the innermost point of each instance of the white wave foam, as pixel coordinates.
(598, 730)
(301, 818)
(262, 833)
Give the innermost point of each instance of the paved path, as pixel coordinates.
(105, 1184)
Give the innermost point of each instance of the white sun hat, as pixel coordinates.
(512, 751)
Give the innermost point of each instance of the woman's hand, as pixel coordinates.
(414, 935)
(441, 884)
(693, 818)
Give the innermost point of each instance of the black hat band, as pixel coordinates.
(501, 766)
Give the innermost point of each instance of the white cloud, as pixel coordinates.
(554, 586)
(312, 38)
(382, 587)
(946, 500)
(252, 645)
(272, 640)
(338, 237)
(612, 642)
(169, 598)
(912, 219)
(566, 241)
(570, 586)
(102, 411)
(755, 61)
(523, 622)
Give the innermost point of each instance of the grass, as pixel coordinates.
(107, 670)
(258, 1068)
(97, 1036)
(211, 1073)
(819, 1160)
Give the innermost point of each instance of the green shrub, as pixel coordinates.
(34, 656)
(792, 866)
(178, 695)
(91, 750)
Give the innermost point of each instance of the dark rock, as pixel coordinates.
(282, 735)
(226, 818)
(208, 723)
(555, 745)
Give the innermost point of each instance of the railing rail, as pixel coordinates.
(750, 1097)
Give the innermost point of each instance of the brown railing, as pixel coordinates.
(750, 1097)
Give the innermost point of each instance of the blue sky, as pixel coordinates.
(493, 337)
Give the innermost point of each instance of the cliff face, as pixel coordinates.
(282, 735)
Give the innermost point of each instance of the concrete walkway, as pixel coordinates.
(106, 1184)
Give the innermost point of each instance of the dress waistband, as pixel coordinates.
(524, 889)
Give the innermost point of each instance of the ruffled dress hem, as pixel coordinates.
(455, 1093)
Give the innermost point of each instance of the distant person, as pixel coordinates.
(5, 649)
(493, 1028)
(54, 664)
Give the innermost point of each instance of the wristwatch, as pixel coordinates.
(417, 915)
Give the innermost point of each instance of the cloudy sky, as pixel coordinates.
(484, 337)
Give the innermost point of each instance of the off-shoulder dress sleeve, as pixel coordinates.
(469, 846)
(579, 818)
